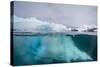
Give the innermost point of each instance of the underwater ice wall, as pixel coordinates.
(42, 49)
(47, 49)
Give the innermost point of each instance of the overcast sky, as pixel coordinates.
(69, 15)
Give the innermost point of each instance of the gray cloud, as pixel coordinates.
(70, 15)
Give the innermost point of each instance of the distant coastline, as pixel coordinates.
(53, 33)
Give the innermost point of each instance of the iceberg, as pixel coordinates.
(35, 25)
(44, 49)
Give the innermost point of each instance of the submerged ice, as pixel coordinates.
(61, 48)
(47, 49)
(44, 49)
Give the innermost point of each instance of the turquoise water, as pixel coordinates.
(48, 49)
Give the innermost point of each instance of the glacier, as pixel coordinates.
(44, 49)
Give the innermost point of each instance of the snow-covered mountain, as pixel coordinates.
(87, 28)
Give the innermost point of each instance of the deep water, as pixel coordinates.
(48, 49)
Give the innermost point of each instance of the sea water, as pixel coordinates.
(48, 49)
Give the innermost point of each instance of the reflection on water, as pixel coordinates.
(47, 49)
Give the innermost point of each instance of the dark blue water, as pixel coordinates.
(48, 49)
